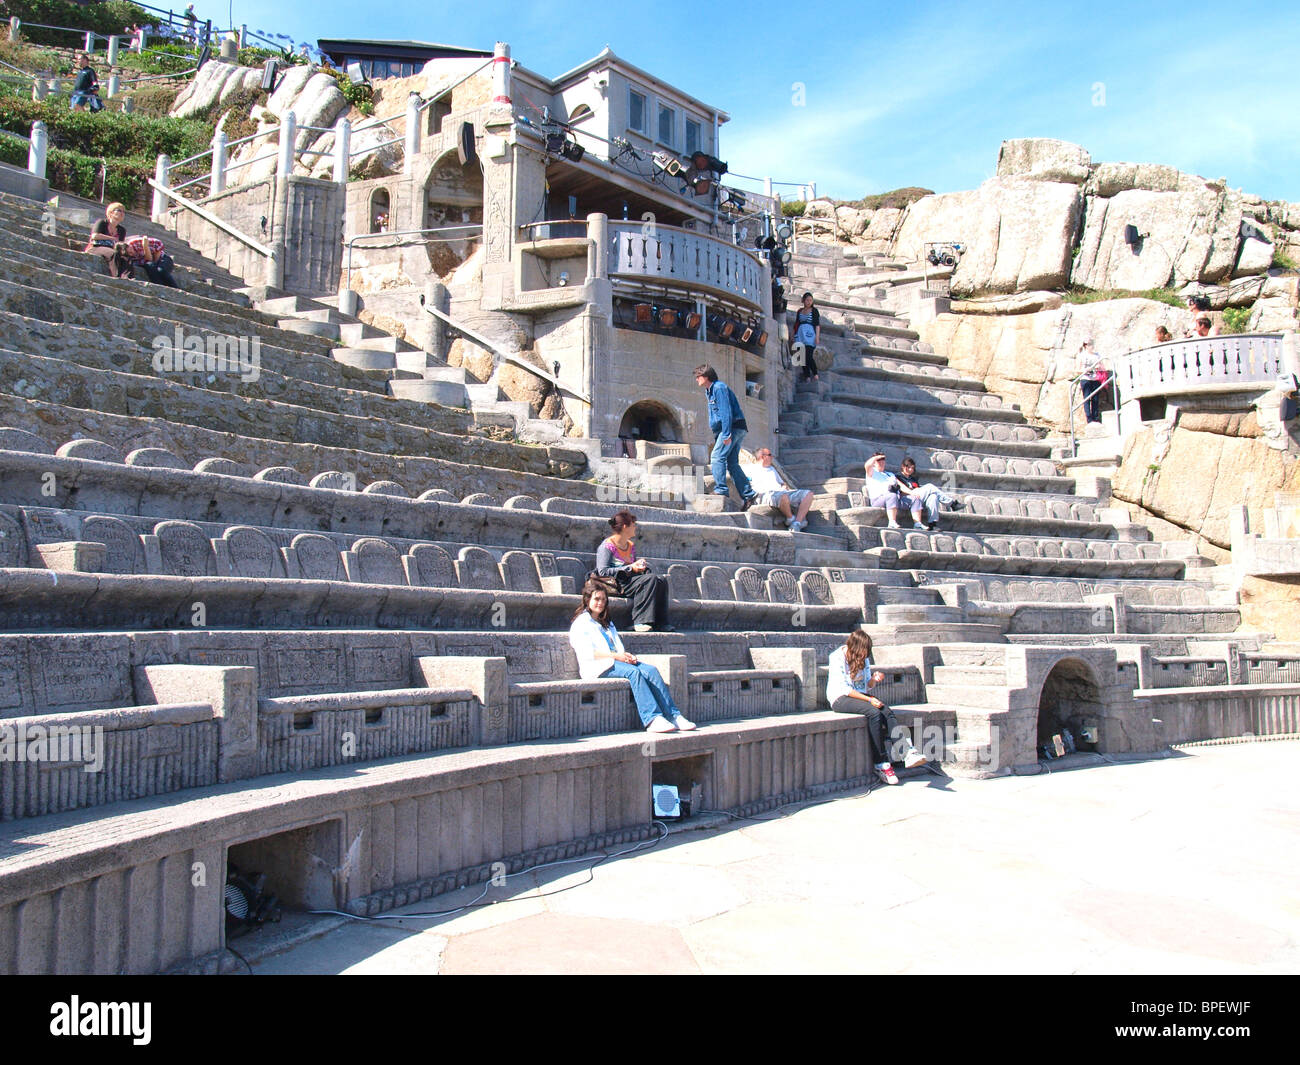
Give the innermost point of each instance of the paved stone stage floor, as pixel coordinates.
(1181, 864)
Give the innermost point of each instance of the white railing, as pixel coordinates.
(669, 256)
(1201, 363)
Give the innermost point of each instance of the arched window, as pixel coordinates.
(379, 206)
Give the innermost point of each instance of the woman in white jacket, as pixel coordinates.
(600, 654)
(848, 677)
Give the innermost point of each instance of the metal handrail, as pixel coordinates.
(405, 233)
(208, 216)
(1075, 384)
(509, 356)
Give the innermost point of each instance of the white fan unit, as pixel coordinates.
(665, 800)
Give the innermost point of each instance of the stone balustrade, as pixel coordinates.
(682, 259)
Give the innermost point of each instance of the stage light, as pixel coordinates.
(724, 327)
(784, 231)
(667, 317)
(704, 161)
(644, 313)
(692, 320)
(735, 199)
(746, 332)
(667, 164)
(573, 151)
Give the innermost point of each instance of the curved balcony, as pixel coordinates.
(1202, 364)
(693, 262)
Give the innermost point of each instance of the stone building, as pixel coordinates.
(589, 249)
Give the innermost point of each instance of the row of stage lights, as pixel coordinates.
(721, 328)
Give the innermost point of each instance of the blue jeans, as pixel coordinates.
(648, 689)
(726, 459)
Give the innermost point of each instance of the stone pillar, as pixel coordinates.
(15, 30)
(598, 253)
(412, 132)
(231, 691)
(435, 336)
(243, 36)
(501, 76)
(113, 42)
(288, 134)
(128, 105)
(37, 151)
(229, 49)
(812, 190)
(218, 180)
(114, 85)
(39, 88)
(162, 175)
(342, 150)
(90, 41)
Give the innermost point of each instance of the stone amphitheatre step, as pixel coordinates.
(247, 405)
(857, 392)
(327, 330)
(897, 367)
(90, 295)
(898, 433)
(470, 463)
(991, 473)
(940, 634)
(923, 410)
(954, 676)
(74, 218)
(898, 614)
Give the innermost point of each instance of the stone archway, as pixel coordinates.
(453, 196)
(1070, 699)
(650, 420)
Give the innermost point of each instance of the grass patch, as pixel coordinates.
(898, 199)
(793, 208)
(1078, 294)
(1282, 261)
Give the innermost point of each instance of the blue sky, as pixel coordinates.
(899, 95)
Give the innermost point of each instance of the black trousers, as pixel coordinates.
(649, 595)
(160, 272)
(883, 730)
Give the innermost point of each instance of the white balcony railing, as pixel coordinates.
(669, 256)
(1200, 364)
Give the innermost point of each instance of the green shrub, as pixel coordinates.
(793, 208)
(362, 97)
(107, 133)
(899, 198)
(1282, 261)
(1236, 319)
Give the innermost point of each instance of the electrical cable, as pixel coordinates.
(476, 902)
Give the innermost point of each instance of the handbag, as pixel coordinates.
(608, 583)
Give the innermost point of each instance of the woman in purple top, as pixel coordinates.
(616, 560)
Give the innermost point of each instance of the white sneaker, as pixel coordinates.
(893, 525)
(660, 724)
(643, 628)
(684, 725)
(919, 525)
(914, 758)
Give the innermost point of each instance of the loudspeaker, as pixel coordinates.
(465, 150)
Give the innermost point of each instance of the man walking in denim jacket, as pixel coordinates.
(728, 426)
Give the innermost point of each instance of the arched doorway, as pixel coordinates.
(648, 420)
(1070, 703)
(453, 196)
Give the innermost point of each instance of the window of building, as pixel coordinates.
(693, 143)
(635, 111)
(580, 112)
(667, 126)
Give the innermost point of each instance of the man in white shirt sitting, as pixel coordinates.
(772, 491)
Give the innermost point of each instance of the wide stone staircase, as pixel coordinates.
(296, 623)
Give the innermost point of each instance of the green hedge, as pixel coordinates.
(108, 133)
(109, 16)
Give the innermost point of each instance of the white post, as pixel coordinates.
(229, 49)
(288, 134)
(36, 153)
(812, 190)
(90, 41)
(412, 131)
(113, 42)
(114, 85)
(767, 187)
(15, 29)
(163, 177)
(39, 88)
(218, 181)
(501, 75)
(342, 150)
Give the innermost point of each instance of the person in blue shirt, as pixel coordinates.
(727, 423)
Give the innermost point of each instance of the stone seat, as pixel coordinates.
(1024, 555)
(1011, 519)
(271, 503)
(851, 389)
(874, 367)
(900, 434)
